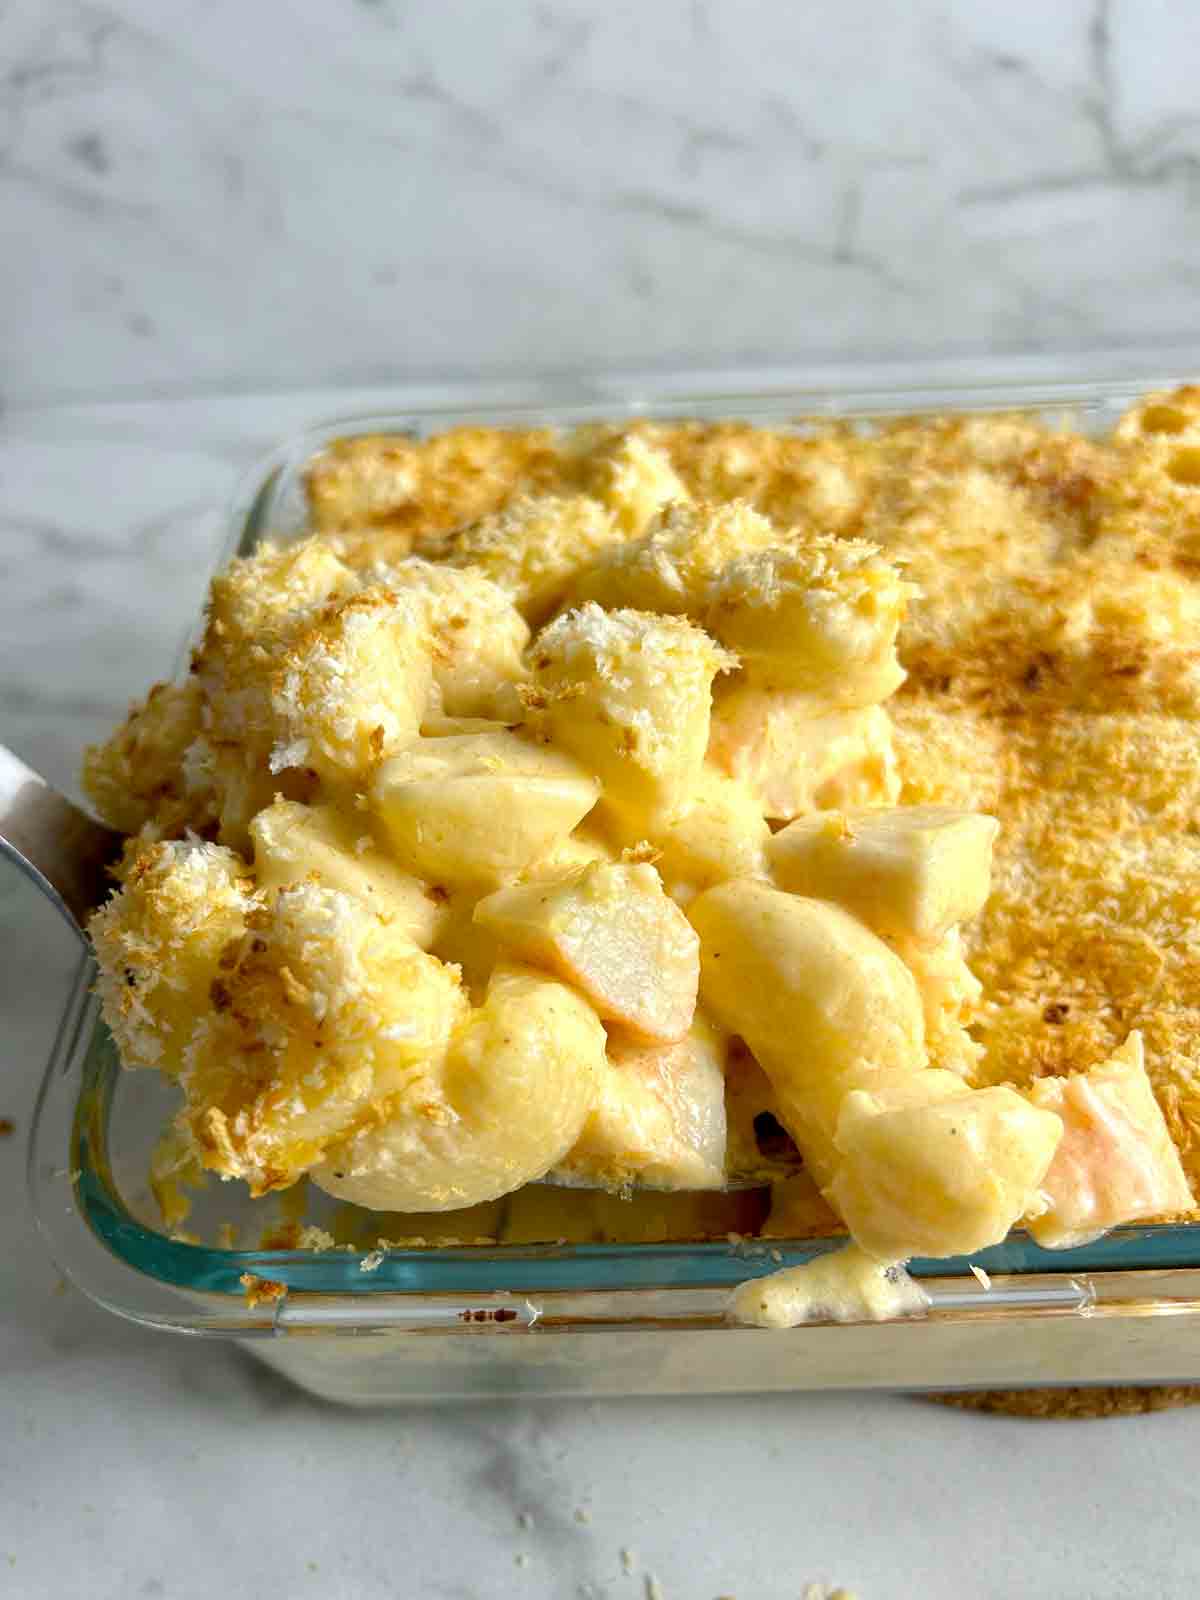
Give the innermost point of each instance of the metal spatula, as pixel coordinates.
(55, 844)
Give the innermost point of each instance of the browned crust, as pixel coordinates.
(1072, 1405)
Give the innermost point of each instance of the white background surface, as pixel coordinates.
(218, 199)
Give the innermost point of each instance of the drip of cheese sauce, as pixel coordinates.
(842, 1286)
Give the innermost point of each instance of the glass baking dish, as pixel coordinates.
(372, 1327)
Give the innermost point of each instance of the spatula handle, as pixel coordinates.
(58, 847)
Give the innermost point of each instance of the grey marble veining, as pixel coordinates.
(261, 195)
(248, 208)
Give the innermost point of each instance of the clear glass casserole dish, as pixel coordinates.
(376, 1326)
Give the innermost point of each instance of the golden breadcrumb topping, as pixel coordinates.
(138, 779)
(158, 944)
(319, 1014)
(674, 565)
(633, 478)
(532, 549)
(400, 488)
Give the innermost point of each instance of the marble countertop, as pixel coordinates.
(207, 204)
(265, 195)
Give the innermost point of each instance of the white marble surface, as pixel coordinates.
(342, 190)
(204, 201)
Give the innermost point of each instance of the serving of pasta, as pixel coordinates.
(580, 805)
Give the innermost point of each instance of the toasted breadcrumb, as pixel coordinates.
(261, 1291)
(159, 945)
(476, 634)
(674, 567)
(326, 1015)
(634, 479)
(386, 490)
(532, 550)
(136, 779)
